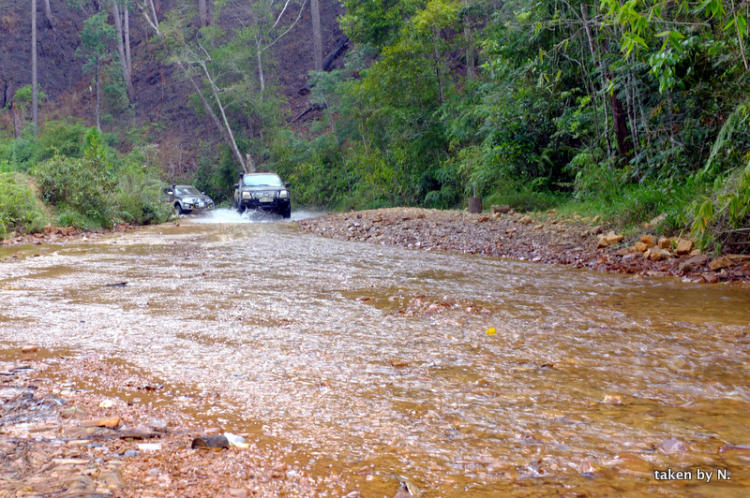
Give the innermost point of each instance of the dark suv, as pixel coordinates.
(263, 191)
(186, 198)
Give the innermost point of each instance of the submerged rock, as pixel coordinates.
(210, 442)
(672, 445)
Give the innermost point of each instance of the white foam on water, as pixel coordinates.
(231, 216)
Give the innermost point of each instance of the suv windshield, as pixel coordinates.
(261, 181)
(186, 191)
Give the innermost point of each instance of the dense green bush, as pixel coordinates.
(55, 137)
(20, 208)
(91, 192)
(85, 185)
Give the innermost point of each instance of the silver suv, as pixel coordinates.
(186, 199)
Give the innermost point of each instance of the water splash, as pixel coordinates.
(231, 216)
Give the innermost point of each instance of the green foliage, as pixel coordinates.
(23, 95)
(64, 137)
(96, 37)
(216, 174)
(721, 219)
(523, 196)
(101, 60)
(68, 217)
(629, 108)
(92, 192)
(138, 196)
(20, 208)
(376, 22)
(85, 185)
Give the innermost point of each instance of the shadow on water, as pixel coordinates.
(376, 359)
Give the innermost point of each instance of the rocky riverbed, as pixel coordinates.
(537, 237)
(348, 367)
(65, 430)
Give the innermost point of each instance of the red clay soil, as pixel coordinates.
(536, 237)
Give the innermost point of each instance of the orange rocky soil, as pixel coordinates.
(538, 237)
(56, 234)
(59, 439)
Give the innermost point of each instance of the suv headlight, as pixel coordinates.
(284, 194)
(247, 195)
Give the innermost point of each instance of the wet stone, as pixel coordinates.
(210, 442)
(672, 445)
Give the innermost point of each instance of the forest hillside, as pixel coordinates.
(637, 111)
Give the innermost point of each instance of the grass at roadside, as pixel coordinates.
(714, 212)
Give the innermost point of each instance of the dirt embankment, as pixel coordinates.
(538, 237)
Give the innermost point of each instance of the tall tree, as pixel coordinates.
(96, 37)
(200, 59)
(34, 89)
(216, 66)
(123, 41)
(317, 35)
(126, 37)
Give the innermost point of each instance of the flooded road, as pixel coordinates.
(375, 361)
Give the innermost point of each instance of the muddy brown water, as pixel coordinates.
(375, 360)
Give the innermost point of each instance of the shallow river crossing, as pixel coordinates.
(374, 361)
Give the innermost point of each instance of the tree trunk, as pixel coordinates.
(202, 13)
(48, 14)
(34, 89)
(210, 11)
(16, 121)
(98, 114)
(259, 53)
(437, 66)
(469, 40)
(317, 35)
(600, 66)
(475, 205)
(619, 118)
(470, 63)
(226, 130)
(126, 29)
(6, 97)
(206, 106)
(148, 6)
(340, 47)
(121, 49)
(232, 143)
(630, 102)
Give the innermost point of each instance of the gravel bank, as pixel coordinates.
(538, 237)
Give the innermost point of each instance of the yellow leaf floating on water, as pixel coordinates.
(490, 332)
